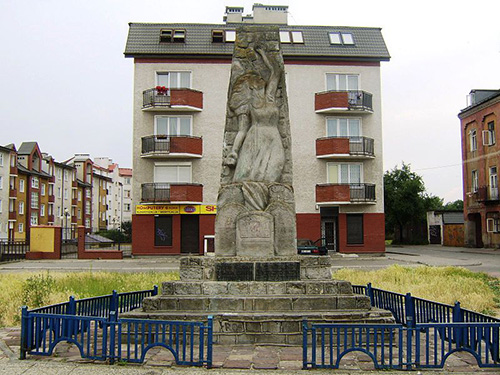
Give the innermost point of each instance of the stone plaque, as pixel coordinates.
(255, 234)
(277, 271)
(234, 271)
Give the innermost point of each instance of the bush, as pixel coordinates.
(37, 290)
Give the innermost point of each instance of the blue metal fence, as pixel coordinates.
(94, 326)
(425, 335)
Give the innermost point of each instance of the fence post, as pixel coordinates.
(24, 332)
(112, 334)
(410, 327)
(155, 290)
(369, 292)
(113, 303)
(304, 344)
(209, 338)
(70, 310)
(457, 317)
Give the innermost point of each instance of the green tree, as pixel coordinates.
(405, 200)
(455, 205)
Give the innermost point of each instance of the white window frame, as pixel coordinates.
(1, 160)
(493, 182)
(170, 73)
(20, 228)
(348, 128)
(35, 183)
(173, 164)
(34, 218)
(21, 208)
(0, 206)
(42, 210)
(337, 81)
(178, 124)
(492, 225)
(1, 182)
(42, 189)
(361, 173)
(341, 38)
(473, 140)
(34, 203)
(21, 185)
(474, 180)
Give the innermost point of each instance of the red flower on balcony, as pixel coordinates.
(161, 90)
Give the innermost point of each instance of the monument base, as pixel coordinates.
(253, 301)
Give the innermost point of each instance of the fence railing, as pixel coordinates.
(426, 333)
(13, 250)
(94, 326)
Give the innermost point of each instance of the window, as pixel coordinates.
(341, 38)
(79, 214)
(175, 36)
(59, 174)
(493, 183)
(34, 218)
(127, 181)
(87, 223)
(221, 36)
(21, 186)
(169, 125)
(87, 193)
(21, 228)
(174, 80)
(65, 193)
(59, 192)
(87, 208)
(179, 36)
(1, 182)
(343, 127)
(354, 229)
(475, 181)
(34, 182)
(165, 172)
(489, 135)
(163, 230)
(66, 175)
(348, 173)
(166, 35)
(21, 208)
(342, 82)
(0, 206)
(126, 207)
(127, 193)
(42, 210)
(79, 195)
(42, 191)
(291, 37)
(34, 200)
(493, 225)
(1, 160)
(473, 140)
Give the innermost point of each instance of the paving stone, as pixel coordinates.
(245, 364)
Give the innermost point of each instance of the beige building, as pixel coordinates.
(180, 91)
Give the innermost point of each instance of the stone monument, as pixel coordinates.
(256, 287)
(255, 206)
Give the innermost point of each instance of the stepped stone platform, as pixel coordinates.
(256, 300)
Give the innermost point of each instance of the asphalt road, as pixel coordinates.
(485, 260)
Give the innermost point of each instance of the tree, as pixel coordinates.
(455, 205)
(405, 200)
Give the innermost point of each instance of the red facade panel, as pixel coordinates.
(328, 146)
(186, 97)
(186, 145)
(373, 234)
(309, 226)
(332, 193)
(186, 193)
(330, 99)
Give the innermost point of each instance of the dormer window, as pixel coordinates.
(341, 38)
(291, 37)
(175, 36)
(223, 36)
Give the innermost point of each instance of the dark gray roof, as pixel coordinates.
(144, 41)
(24, 170)
(26, 148)
(453, 217)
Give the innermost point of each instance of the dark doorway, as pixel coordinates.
(479, 230)
(190, 233)
(329, 227)
(435, 234)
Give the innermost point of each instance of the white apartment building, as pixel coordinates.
(181, 80)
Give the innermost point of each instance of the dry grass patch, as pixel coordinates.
(41, 289)
(475, 291)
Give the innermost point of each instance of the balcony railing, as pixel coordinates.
(12, 215)
(345, 146)
(172, 192)
(52, 198)
(340, 101)
(12, 192)
(172, 146)
(50, 218)
(172, 100)
(345, 193)
(487, 194)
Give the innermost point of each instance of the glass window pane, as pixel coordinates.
(344, 173)
(343, 127)
(330, 82)
(184, 173)
(161, 125)
(335, 38)
(332, 173)
(297, 37)
(342, 82)
(174, 80)
(185, 126)
(355, 174)
(230, 35)
(331, 127)
(354, 128)
(165, 173)
(172, 128)
(347, 38)
(352, 83)
(185, 79)
(285, 37)
(162, 79)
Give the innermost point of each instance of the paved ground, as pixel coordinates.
(235, 360)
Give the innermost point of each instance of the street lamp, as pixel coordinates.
(65, 217)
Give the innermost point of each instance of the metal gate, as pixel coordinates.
(329, 231)
(69, 243)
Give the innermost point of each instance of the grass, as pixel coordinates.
(474, 290)
(40, 289)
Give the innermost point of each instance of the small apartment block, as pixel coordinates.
(180, 94)
(481, 163)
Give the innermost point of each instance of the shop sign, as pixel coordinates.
(170, 209)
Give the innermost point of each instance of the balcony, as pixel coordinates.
(74, 202)
(186, 100)
(345, 193)
(487, 194)
(50, 218)
(345, 147)
(74, 220)
(163, 146)
(52, 180)
(52, 198)
(172, 193)
(12, 193)
(343, 101)
(13, 170)
(12, 215)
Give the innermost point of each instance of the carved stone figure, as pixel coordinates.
(257, 165)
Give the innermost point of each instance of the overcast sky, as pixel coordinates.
(65, 83)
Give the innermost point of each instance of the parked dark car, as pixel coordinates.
(309, 247)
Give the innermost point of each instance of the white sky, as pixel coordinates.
(65, 83)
